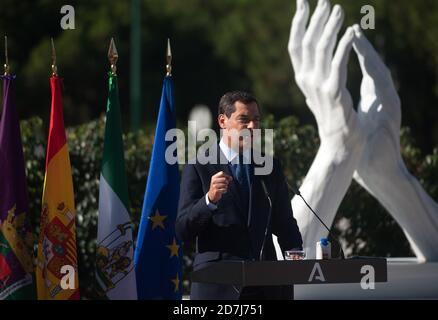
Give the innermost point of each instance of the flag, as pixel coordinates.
(57, 269)
(16, 242)
(115, 272)
(158, 252)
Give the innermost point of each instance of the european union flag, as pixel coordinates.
(157, 255)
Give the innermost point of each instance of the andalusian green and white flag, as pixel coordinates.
(115, 248)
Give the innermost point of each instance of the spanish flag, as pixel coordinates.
(57, 269)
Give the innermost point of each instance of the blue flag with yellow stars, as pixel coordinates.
(158, 252)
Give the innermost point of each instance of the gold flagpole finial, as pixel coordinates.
(169, 59)
(6, 65)
(113, 56)
(54, 66)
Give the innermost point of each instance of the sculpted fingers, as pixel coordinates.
(369, 59)
(313, 33)
(338, 73)
(372, 65)
(297, 31)
(326, 45)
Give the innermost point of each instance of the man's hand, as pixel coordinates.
(218, 186)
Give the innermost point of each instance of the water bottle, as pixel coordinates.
(323, 249)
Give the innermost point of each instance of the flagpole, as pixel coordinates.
(6, 65)
(169, 59)
(54, 66)
(113, 56)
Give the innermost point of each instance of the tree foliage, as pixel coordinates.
(218, 45)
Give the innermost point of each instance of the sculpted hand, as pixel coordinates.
(379, 113)
(367, 141)
(381, 169)
(321, 74)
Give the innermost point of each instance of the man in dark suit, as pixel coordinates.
(223, 206)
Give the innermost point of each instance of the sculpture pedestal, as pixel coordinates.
(407, 279)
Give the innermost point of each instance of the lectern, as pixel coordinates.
(290, 272)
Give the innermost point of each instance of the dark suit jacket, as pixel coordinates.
(229, 232)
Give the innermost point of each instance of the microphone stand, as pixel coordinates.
(268, 222)
(297, 192)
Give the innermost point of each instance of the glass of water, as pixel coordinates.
(294, 254)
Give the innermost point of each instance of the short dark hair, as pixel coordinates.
(226, 104)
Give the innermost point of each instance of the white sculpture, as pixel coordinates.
(363, 144)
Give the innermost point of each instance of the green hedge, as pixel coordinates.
(371, 230)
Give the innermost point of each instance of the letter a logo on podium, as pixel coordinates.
(368, 280)
(316, 273)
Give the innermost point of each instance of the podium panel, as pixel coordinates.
(287, 272)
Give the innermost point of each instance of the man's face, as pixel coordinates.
(246, 116)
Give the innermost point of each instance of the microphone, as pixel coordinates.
(269, 219)
(297, 192)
